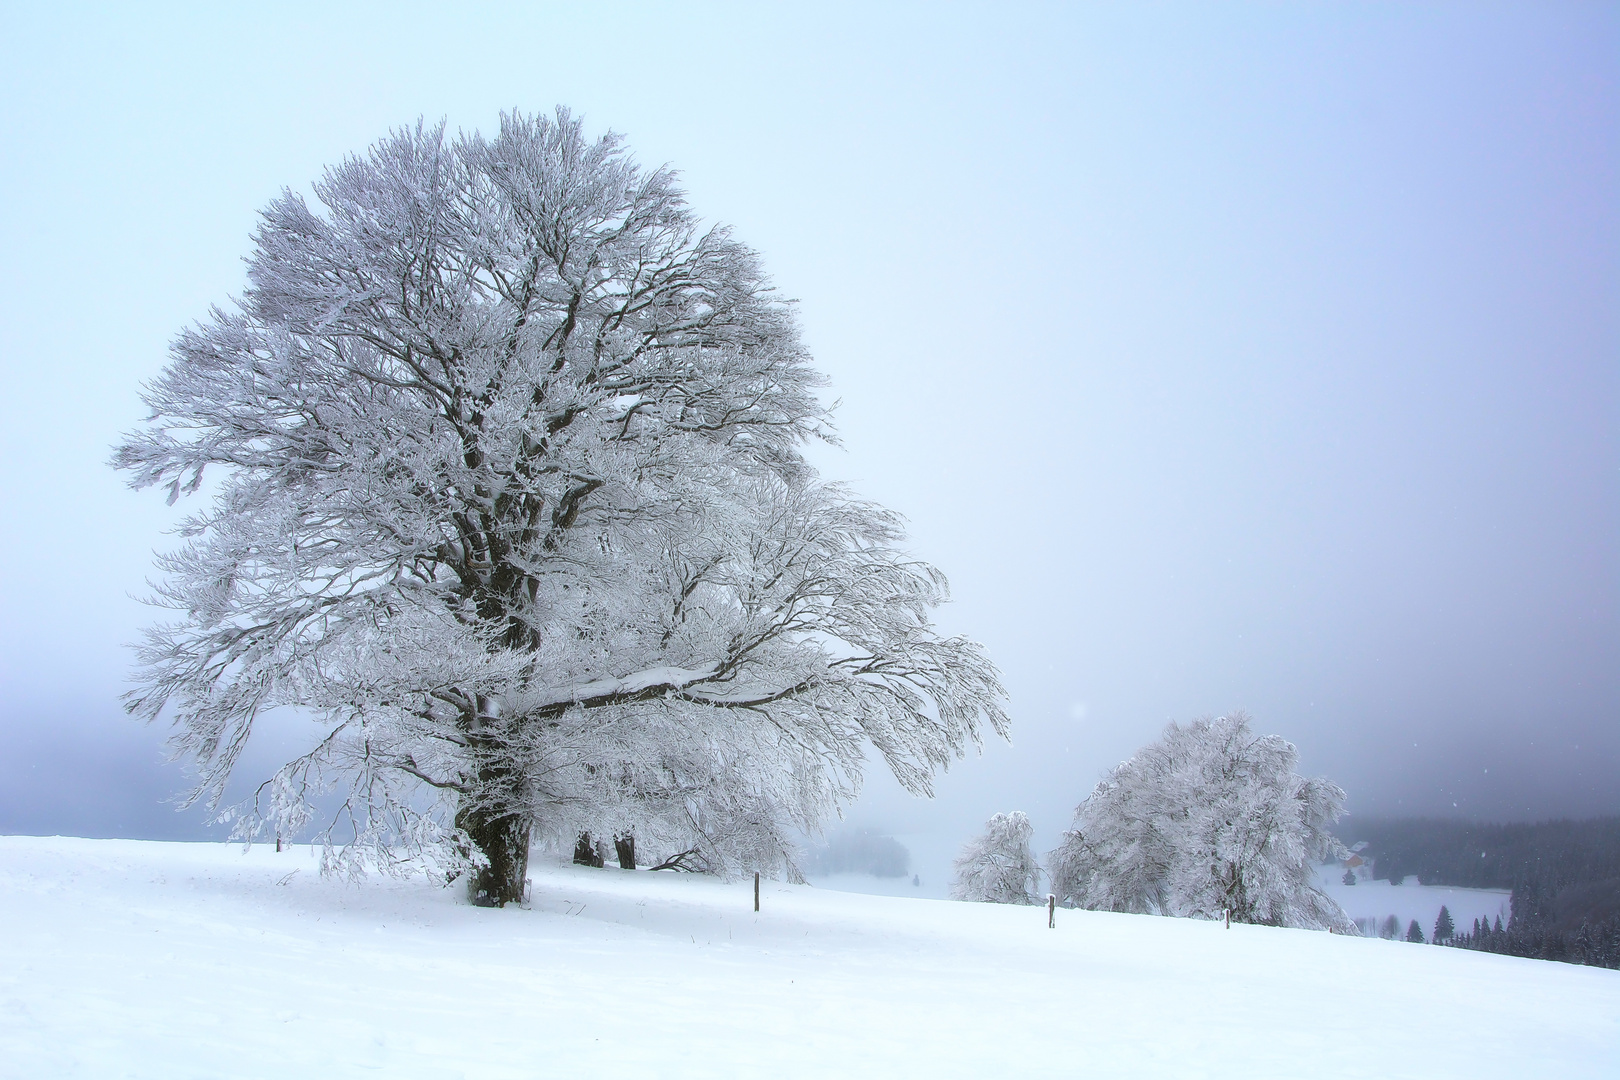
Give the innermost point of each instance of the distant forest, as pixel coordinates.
(1565, 877)
(1553, 854)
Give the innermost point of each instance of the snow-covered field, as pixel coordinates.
(126, 958)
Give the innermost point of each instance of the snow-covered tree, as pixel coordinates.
(997, 866)
(508, 498)
(1210, 819)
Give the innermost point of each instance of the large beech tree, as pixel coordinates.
(506, 495)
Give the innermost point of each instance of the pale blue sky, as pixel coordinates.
(1259, 356)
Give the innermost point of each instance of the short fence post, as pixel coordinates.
(756, 890)
(1227, 913)
(278, 841)
(1051, 911)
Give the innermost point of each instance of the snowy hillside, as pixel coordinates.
(124, 958)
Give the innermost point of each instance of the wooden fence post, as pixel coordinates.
(1051, 911)
(756, 890)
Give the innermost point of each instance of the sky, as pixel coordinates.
(1239, 356)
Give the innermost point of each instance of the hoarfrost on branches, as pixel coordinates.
(998, 866)
(1210, 819)
(510, 500)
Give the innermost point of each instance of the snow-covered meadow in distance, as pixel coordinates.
(177, 960)
(1411, 900)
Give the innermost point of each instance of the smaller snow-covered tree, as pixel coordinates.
(998, 866)
(1444, 928)
(1414, 932)
(1211, 819)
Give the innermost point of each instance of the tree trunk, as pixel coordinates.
(504, 842)
(587, 852)
(625, 847)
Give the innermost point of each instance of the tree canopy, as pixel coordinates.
(511, 502)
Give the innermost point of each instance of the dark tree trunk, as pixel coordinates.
(504, 842)
(625, 847)
(488, 813)
(586, 852)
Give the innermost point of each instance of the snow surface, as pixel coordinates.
(675, 678)
(144, 959)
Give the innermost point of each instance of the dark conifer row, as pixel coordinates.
(1579, 925)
